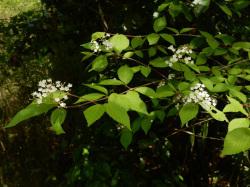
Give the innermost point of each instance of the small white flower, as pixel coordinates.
(171, 47)
(69, 85)
(171, 76)
(107, 44)
(156, 14)
(34, 94)
(57, 100)
(63, 105)
(196, 2)
(124, 27)
(65, 97)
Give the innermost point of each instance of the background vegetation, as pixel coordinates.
(43, 39)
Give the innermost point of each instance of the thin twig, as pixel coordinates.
(102, 17)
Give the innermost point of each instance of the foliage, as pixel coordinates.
(185, 75)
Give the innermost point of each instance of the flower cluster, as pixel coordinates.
(199, 95)
(181, 54)
(46, 87)
(101, 43)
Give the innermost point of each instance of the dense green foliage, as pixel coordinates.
(150, 106)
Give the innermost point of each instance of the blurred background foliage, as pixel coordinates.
(42, 39)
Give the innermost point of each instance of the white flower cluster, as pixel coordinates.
(46, 87)
(199, 95)
(181, 54)
(101, 43)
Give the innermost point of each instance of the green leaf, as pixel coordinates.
(235, 71)
(125, 74)
(236, 141)
(137, 42)
(57, 118)
(89, 97)
(238, 123)
(152, 51)
(241, 45)
(183, 86)
(145, 70)
(153, 38)
(160, 24)
(139, 53)
(86, 45)
(203, 68)
(188, 111)
(100, 63)
(135, 69)
(30, 111)
(87, 55)
(94, 113)
(226, 39)
(120, 99)
(158, 63)
(162, 7)
(126, 138)
(164, 91)
(169, 38)
(207, 82)
(160, 114)
(136, 103)
(146, 91)
(119, 42)
(215, 113)
(111, 82)
(241, 4)
(175, 9)
(118, 113)
(179, 66)
(212, 42)
(162, 49)
(220, 87)
(239, 95)
(234, 106)
(97, 35)
(220, 51)
(225, 9)
(189, 75)
(146, 123)
(173, 30)
(128, 55)
(201, 7)
(98, 88)
(186, 30)
(247, 87)
(136, 124)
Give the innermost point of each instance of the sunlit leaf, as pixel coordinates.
(94, 113)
